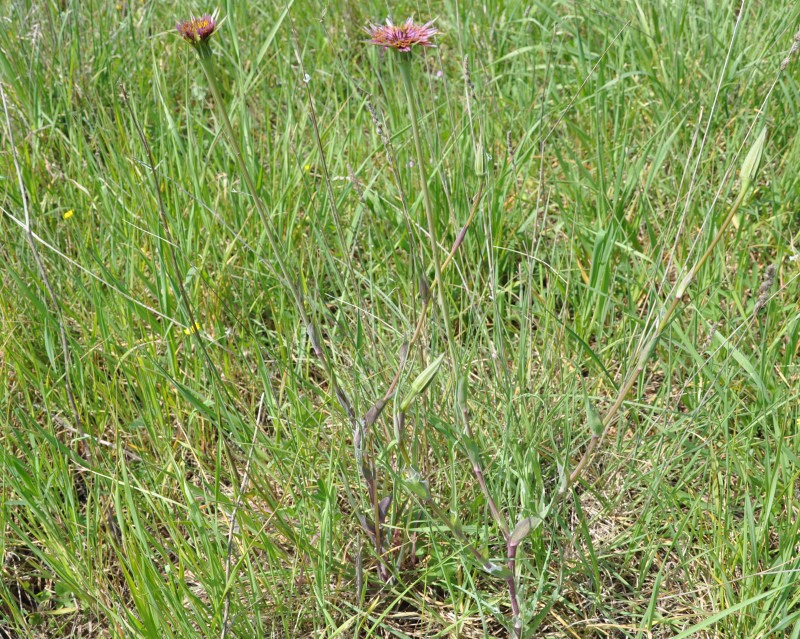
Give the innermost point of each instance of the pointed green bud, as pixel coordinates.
(496, 570)
(593, 417)
(753, 161)
(480, 160)
(422, 382)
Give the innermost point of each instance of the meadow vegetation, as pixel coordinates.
(242, 396)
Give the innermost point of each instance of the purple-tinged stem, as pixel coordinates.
(511, 580)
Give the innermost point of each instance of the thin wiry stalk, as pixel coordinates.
(404, 63)
(184, 296)
(312, 115)
(647, 351)
(360, 431)
(208, 65)
(511, 547)
(283, 273)
(23, 194)
(417, 257)
(285, 527)
(511, 583)
(232, 527)
(456, 244)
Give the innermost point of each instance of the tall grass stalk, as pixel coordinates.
(749, 173)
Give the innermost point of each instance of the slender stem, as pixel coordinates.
(83, 448)
(210, 70)
(455, 528)
(312, 114)
(405, 72)
(226, 608)
(477, 470)
(511, 547)
(649, 347)
(211, 74)
(511, 581)
(459, 239)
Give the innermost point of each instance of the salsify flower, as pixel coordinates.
(401, 37)
(197, 31)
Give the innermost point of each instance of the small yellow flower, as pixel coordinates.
(69, 214)
(192, 329)
(307, 168)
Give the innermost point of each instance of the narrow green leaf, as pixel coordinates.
(563, 478)
(415, 485)
(461, 392)
(473, 453)
(744, 362)
(418, 489)
(710, 621)
(257, 66)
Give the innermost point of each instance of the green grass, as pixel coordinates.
(605, 139)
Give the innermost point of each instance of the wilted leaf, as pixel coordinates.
(383, 507)
(496, 570)
(523, 529)
(373, 413)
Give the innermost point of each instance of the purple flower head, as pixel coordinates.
(401, 37)
(197, 30)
